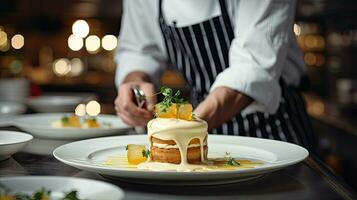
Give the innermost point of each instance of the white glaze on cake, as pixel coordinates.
(182, 132)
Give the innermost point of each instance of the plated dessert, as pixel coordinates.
(74, 121)
(178, 141)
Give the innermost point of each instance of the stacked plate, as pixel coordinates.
(58, 102)
(8, 109)
(14, 90)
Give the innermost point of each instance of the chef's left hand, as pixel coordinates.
(221, 105)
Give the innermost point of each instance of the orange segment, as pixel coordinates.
(135, 154)
(185, 111)
(71, 121)
(91, 123)
(171, 112)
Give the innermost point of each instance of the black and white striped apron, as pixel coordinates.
(200, 53)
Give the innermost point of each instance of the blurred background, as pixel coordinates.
(64, 50)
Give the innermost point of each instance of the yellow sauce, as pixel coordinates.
(216, 164)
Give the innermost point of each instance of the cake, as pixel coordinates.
(178, 141)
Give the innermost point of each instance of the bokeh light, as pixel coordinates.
(109, 42)
(92, 43)
(17, 41)
(4, 42)
(80, 28)
(93, 108)
(297, 29)
(75, 43)
(61, 67)
(80, 110)
(16, 66)
(76, 67)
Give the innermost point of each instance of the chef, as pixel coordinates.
(239, 57)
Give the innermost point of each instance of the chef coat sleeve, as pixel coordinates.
(257, 53)
(140, 41)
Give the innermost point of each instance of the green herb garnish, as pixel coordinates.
(43, 193)
(127, 147)
(232, 162)
(65, 120)
(72, 195)
(146, 153)
(169, 98)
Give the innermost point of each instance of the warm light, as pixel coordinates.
(61, 67)
(297, 29)
(80, 110)
(93, 108)
(310, 59)
(92, 43)
(76, 67)
(17, 41)
(311, 41)
(317, 108)
(109, 42)
(5, 47)
(80, 28)
(75, 43)
(3, 39)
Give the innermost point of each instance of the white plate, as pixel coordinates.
(57, 102)
(90, 155)
(11, 108)
(86, 188)
(12, 142)
(39, 125)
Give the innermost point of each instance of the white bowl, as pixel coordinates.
(12, 142)
(86, 188)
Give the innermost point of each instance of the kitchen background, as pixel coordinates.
(68, 46)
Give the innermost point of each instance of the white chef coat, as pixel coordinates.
(263, 50)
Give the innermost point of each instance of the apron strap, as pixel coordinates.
(160, 9)
(223, 5)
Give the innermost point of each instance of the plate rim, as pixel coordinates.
(56, 178)
(30, 137)
(277, 166)
(37, 126)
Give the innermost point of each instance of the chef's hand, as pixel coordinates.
(125, 103)
(221, 105)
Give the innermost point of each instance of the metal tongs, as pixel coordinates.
(139, 96)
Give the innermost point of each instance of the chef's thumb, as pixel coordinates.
(149, 91)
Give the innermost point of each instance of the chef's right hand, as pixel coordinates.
(126, 107)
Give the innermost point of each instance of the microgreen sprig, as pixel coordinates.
(169, 98)
(146, 153)
(232, 162)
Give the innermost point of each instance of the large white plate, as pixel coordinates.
(39, 125)
(12, 142)
(86, 188)
(90, 155)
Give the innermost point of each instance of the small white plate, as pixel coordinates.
(57, 103)
(39, 125)
(91, 154)
(8, 109)
(12, 142)
(86, 188)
